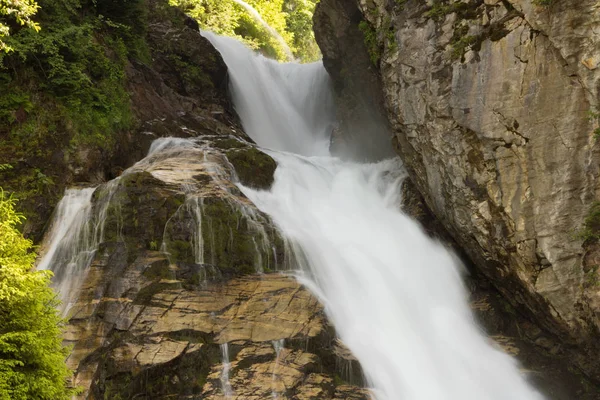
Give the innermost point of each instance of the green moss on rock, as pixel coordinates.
(253, 167)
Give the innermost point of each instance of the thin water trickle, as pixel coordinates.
(225, 384)
(394, 295)
(277, 346)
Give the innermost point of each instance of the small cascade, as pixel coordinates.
(225, 384)
(71, 243)
(194, 207)
(213, 208)
(277, 346)
(77, 229)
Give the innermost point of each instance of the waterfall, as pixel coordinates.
(71, 243)
(225, 384)
(299, 92)
(394, 295)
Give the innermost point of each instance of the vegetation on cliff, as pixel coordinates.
(63, 89)
(292, 19)
(31, 352)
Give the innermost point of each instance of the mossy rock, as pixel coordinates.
(228, 238)
(228, 144)
(254, 168)
(139, 209)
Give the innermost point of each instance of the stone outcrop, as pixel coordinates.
(489, 102)
(167, 341)
(362, 131)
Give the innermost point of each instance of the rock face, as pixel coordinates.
(363, 131)
(253, 336)
(490, 102)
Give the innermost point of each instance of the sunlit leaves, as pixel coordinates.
(19, 12)
(32, 358)
(292, 19)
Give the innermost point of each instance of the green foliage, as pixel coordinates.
(371, 41)
(32, 358)
(595, 116)
(76, 63)
(18, 12)
(299, 24)
(591, 225)
(440, 9)
(64, 86)
(291, 19)
(460, 46)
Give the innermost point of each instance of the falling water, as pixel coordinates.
(277, 346)
(394, 295)
(70, 245)
(225, 384)
(302, 96)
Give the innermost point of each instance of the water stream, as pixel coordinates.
(394, 295)
(225, 384)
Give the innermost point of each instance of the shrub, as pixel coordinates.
(32, 358)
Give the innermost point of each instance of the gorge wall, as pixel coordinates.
(491, 105)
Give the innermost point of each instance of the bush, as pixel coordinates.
(32, 358)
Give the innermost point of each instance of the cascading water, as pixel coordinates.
(302, 98)
(225, 384)
(71, 243)
(394, 295)
(79, 225)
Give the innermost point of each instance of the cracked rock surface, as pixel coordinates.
(489, 104)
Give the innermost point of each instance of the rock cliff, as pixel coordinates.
(492, 105)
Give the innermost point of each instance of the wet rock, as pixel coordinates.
(253, 167)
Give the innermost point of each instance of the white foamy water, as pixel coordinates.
(302, 99)
(225, 384)
(70, 245)
(394, 295)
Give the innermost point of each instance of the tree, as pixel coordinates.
(16, 11)
(32, 357)
(291, 19)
